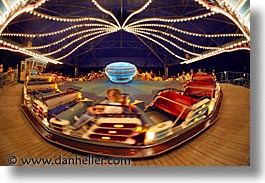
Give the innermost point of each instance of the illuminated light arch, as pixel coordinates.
(219, 10)
(213, 54)
(55, 32)
(171, 19)
(137, 25)
(229, 48)
(166, 40)
(91, 39)
(136, 12)
(20, 11)
(153, 40)
(75, 40)
(187, 32)
(107, 12)
(63, 39)
(59, 19)
(225, 13)
(14, 48)
(179, 39)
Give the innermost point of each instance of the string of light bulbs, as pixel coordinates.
(229, 48)
(15, 48)
(55, 32)
(136, 12)
(60, 19)
(166, 40)
(187, 32)
(235, 11)
(172, 19)
(217, 52)
(63, 39)
(177, 38)
(227, 14)
(75, 40)
(91, 39)
(153, 40)
(27, 8)
(107, 12)
(135, 28)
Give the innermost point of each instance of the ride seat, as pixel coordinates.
(204, 78)
(59, 104)
(174, 103)
(57, 101)
(200, 89)
(76, 110)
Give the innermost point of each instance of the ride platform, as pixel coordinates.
(227, 142)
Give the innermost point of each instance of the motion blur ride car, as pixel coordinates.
(172, 118)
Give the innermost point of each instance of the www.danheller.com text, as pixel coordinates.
(76, 160)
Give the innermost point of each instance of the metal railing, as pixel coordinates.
(236, 78)
(8, 78)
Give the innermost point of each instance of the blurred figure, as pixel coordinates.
(184, 79)
(10, 69)
(114, 97)
(200, 71)
(1, 68)
(189, 75)
(191, 72)
(152, 73)
(179, 77)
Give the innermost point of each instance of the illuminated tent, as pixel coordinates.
(147, 33)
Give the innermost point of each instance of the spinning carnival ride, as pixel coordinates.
(133, 133)
(158, 33)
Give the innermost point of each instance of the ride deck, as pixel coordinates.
(227, 142)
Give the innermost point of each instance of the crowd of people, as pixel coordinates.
(183, 77)
(143, 75)
(91, 76)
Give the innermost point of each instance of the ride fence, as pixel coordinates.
(236, 78)
(8, 78)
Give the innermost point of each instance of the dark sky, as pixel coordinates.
(233, 61)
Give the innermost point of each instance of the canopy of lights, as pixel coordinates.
(98, 32)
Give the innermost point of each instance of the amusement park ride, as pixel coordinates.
(89, 34)
(132, 133)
